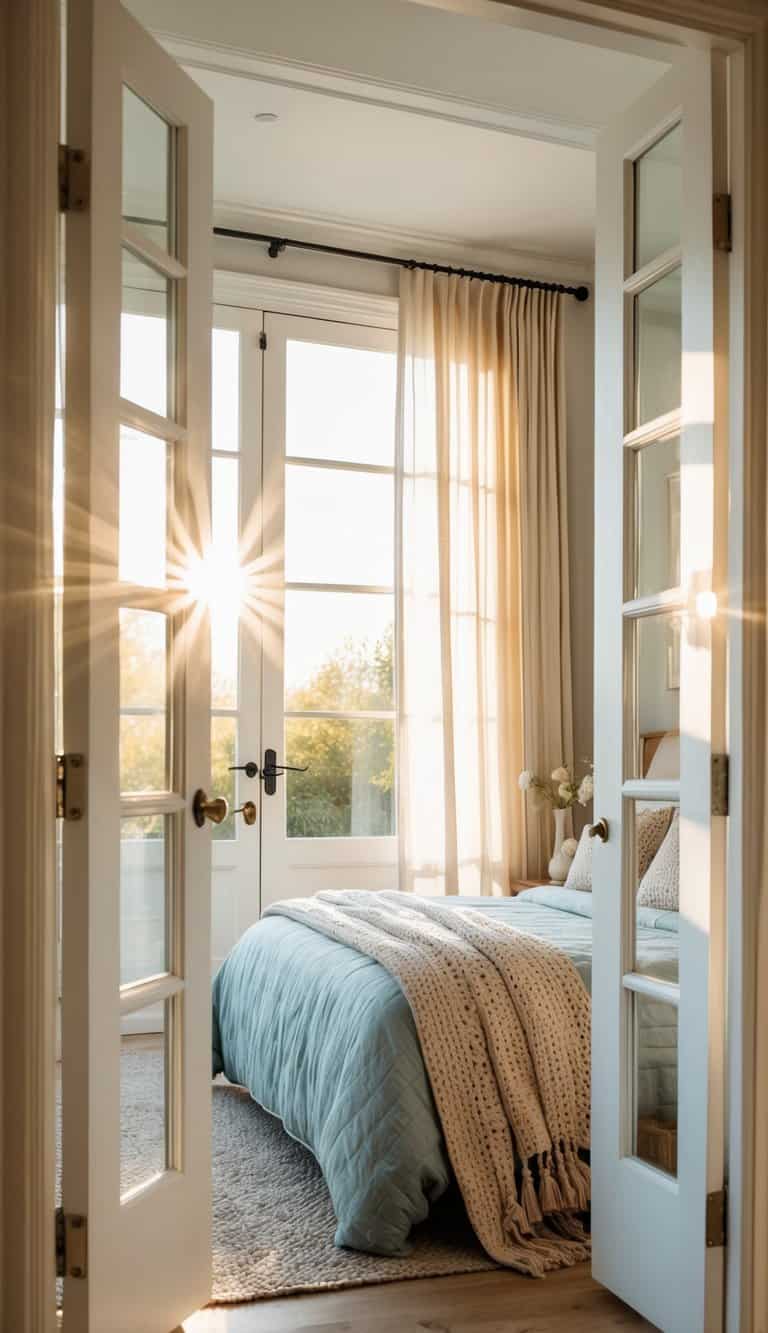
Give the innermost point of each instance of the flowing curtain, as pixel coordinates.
(481, 552)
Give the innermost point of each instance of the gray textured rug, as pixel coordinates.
(273, 1223)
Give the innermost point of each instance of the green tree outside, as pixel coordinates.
(348, 789)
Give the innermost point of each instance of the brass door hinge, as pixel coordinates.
(716, 1213)
(74, 180)
(71, 1244)
(720, 784)
(70, 786)
(722, 233)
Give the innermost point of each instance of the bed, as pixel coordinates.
(323, 1038)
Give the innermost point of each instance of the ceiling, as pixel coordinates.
(402, 120)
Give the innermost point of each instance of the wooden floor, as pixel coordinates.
(565, 1302)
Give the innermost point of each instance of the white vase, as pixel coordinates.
(560, 862)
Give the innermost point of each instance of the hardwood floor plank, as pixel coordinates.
(565, 1302)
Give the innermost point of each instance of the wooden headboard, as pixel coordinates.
(649, 744)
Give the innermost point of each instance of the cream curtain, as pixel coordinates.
(483, 644)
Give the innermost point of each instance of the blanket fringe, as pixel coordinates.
(550, 1198)
(565, 1183)
(580, 1178)
(516, 1223)
(528, 1197)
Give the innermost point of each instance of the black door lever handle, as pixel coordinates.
(250, 769)
(272, 770)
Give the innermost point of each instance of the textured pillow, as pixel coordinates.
(660, 885)
(580, 873)
(652, 826)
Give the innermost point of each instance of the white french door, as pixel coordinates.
(136, 694)
(661, 506)
(328, 722)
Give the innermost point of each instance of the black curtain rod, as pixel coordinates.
(276, 245)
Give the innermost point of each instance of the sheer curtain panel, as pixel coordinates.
(483, 644)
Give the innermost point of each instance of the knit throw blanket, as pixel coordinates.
(503, 1019)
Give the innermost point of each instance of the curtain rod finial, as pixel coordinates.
(582, 293)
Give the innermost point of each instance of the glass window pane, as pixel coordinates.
(658, 675)
(143, 898)
(225, 605)
(658, 517)
(655, 1027)
(223, 757)
(144, 1082)
(146, 169)
(656, 856)
(658, 332)
(143, 700)
(225, 389)
(144, 335)
(338, 651)
(339, 526)
(658, 187)
(143, 508)
(340, 403)
(348, 789)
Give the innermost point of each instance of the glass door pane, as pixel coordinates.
(329, 691)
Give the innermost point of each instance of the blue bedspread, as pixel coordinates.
(323, 1038)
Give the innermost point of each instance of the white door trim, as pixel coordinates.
(282, 296)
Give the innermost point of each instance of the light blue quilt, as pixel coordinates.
(323, 1037)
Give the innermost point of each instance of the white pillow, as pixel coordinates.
(652, 826)
(660, 885)
(580, 872)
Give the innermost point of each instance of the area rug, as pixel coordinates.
(273, 1223)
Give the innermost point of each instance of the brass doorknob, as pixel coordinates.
(215, 808)
(248, 811)
(599, 830)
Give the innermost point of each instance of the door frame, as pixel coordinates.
(30, 36)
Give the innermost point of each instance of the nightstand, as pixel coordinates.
(518, 885)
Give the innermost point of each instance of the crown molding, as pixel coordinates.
(648, 28)
(320, 80)
(257, 291)
(400, 243)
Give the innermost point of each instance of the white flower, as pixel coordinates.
(569, 846)
(586, 789)
(525, 781)
(561, 775)
(564, 791)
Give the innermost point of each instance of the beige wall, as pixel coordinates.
(382, 280)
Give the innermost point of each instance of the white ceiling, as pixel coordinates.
(403, 118)
(386, 168)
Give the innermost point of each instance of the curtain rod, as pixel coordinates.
(276, 245)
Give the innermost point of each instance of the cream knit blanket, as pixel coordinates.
(504, 1024)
